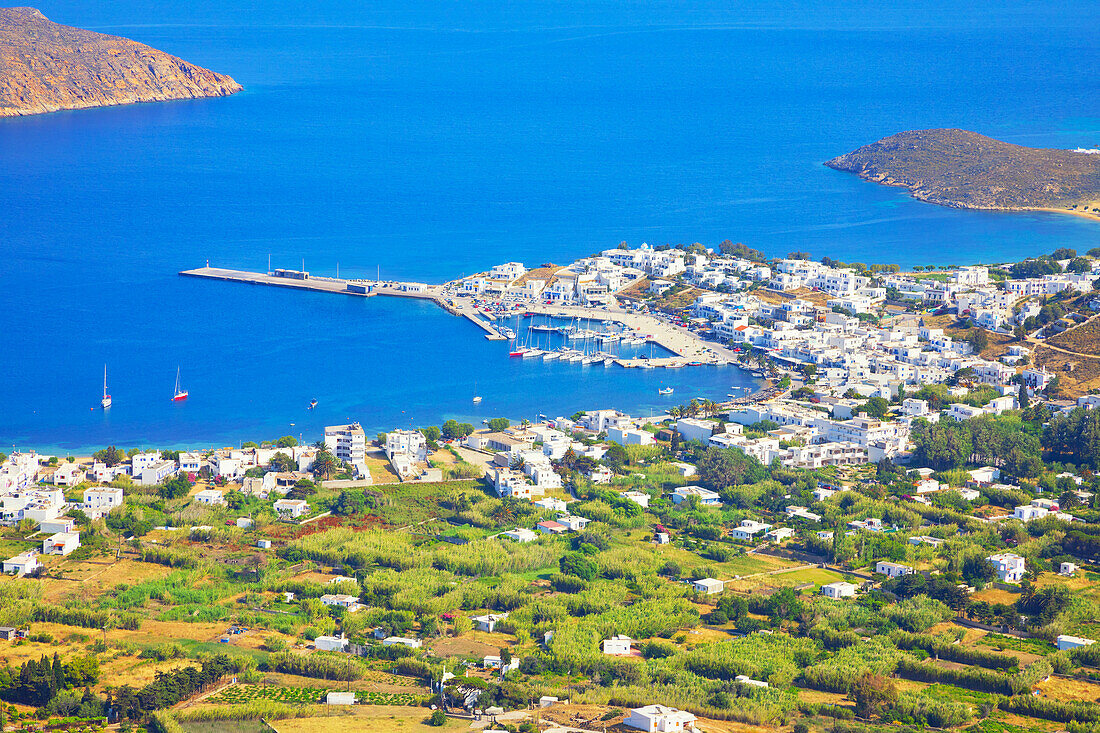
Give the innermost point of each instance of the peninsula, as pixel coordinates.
(963, 169)
(46, 67)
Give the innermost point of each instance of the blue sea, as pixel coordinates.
(431, 140)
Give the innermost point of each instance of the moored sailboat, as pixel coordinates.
(179, 394)
(106, 401)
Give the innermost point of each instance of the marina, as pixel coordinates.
(607, 326)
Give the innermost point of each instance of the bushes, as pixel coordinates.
(773, 658)
(171, 558)
(836, 674)
(955, 652)
(83, 617)
(972, 679)
(320, 666)
(413, 668)
(1047, 709)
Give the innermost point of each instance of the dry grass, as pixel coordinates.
(1082, 339)
(995, 595)
(369, 719)
(1077, 374)
(1066, 688)
(545, 274)
(463, 646)
(90, 578)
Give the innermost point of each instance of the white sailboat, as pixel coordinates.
(477, 397)
(180, 394)
(106, 401)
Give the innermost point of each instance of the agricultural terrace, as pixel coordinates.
(171, 616)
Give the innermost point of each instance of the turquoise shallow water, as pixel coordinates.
(433, 140)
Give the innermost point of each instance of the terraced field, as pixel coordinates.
(241, 694)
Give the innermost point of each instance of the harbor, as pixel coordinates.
(682, 347)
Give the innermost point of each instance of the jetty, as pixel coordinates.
(303, 280)
(686, 348)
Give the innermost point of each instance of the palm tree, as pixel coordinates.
(518, 463)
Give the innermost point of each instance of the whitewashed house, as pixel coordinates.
(617, 646)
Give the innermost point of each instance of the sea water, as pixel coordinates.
(426, 141)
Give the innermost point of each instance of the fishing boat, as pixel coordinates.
(666, 390)
(180, 394)
(312, 403)
(106, 401)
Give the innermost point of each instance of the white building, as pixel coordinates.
(488, 622)
(660, 719)
(521, 534)
(23, 563)
(331, 643)
(839, 589)
(293, 508)
(618, 646)
(748, 529)
(706, 496)
(638, 497)
(691, 428)
(351, 603)
(1010, 567)
(402, 641)
(1027, 513)
(336, 697)
(892, 569)
(68, 474)
(61, 543)
(708, 586)
(99, 501)
(210, 497)
(1065, 641)
(156, 473)
(349, 444)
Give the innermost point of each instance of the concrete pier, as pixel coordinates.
(357, 288)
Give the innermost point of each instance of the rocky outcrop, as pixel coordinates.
(45, 67)
(967, 170)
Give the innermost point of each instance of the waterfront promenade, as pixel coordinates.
(686, 346)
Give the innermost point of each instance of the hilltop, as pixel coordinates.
(45, 67)
(966, 170)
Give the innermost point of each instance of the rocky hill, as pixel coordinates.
(967, 170)
(45, 67)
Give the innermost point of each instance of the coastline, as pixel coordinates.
(970, 207)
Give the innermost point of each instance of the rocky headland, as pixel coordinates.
(46, 67)
(963, 169)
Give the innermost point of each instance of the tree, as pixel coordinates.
(875, 407)
(438, 718)
(324, 464)
(574, 563)
(283, 463)
(978, 339)
(350, 503)
(499, 423)
(450, 430)
(431, 432)
(720, 468)
(175, 487)
(874, 695)
(616, 457)
(1063, 253)
(287, 441)
(110, 455)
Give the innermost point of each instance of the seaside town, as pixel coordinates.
(898, 529)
